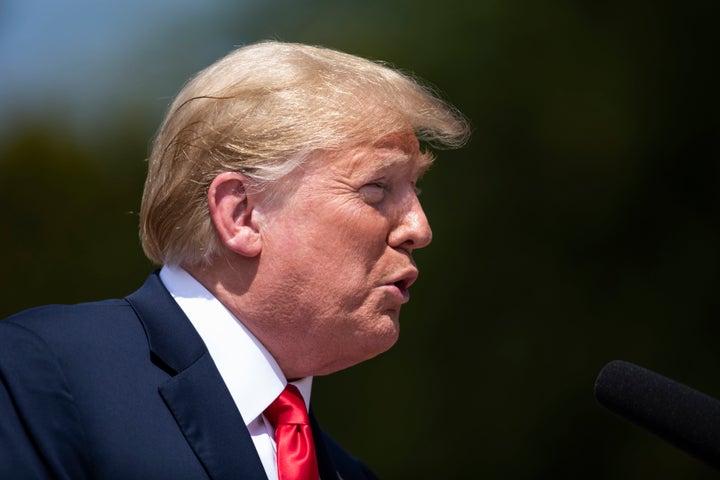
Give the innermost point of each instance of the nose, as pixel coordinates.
(412, 229)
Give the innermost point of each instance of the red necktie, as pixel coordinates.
(295, 448)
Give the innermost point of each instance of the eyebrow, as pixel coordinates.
(423, 160)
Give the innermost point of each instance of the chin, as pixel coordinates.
(379, 342)
(362, 350)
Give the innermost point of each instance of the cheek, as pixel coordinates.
(337, 245)
(364, 229)
(357, 255)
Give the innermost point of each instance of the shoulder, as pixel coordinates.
(70, 343)
(93, 317)
(42, 316)
(100, 333)
(69, 323)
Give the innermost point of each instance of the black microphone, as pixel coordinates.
(678, 414)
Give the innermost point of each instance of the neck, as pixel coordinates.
(235, 285)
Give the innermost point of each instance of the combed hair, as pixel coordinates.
(262, 110)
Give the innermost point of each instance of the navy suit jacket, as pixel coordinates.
(125, 389)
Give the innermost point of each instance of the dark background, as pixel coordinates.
(580, 225)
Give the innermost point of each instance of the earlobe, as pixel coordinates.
(233, 214)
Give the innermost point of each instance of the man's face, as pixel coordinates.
(338, 251)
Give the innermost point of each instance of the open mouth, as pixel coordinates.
(398, 285)
(403, 284)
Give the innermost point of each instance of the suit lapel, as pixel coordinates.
(207, 416)
(195, 394)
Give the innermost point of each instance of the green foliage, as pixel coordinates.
(70, 220)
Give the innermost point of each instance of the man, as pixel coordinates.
(281, 203)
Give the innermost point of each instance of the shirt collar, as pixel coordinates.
(244, 363)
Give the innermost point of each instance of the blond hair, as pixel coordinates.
(261, 110)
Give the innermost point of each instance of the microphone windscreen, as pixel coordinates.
(678, 414)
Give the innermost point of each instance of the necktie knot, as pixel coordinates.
(288, 409)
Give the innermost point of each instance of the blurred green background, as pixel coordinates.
(580, 225)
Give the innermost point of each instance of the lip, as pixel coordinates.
(400, 284)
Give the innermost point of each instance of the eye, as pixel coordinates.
(374, 192)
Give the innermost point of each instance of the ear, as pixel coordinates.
(233, 213)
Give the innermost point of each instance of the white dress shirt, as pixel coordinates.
(250, 373)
